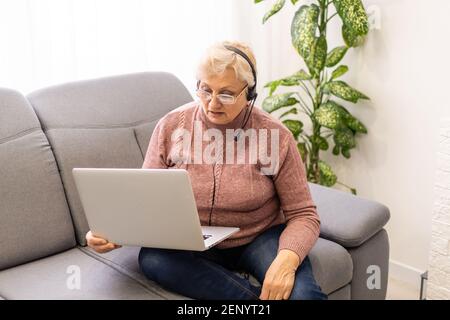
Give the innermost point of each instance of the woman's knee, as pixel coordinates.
(155, 263)
(305, 286)
(305, 291)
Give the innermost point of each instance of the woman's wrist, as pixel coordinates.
(290, 258)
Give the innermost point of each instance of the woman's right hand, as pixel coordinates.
(100, 244)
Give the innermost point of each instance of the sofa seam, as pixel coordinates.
(137, 142)
(20, 134)
(103, 126)
(345, 285)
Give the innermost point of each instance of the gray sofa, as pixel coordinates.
(108, 122)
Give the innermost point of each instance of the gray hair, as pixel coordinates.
(217, 59)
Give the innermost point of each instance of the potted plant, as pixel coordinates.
(322, 92)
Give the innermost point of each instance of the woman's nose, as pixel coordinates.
(214, 103)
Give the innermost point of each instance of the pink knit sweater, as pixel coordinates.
(235, 193)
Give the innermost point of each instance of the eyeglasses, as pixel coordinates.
(223, 98)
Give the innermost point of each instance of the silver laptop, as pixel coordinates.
(145, 207)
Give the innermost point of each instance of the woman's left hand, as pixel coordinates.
(280, 276)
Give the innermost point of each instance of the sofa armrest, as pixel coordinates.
(345, 218)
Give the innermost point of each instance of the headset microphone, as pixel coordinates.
(238, 133)
(251, 94)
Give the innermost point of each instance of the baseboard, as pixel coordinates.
(405, 273)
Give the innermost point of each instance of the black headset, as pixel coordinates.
(251, 94)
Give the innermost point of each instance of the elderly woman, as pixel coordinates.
(273, 208)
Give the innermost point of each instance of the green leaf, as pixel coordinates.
(289, 82)
(351, 39)
(356, 125)
(344, 91)
(292, 111)
(329, 115)
(275, 9)
(318, 55)
(301, 146)
(294, 126)
(346, 152)
(335, 56)
(339, 71)
(301, 75)
(303, 33)
(326, 174)
(353, 123)
(293, 2)
(321, 142)
(348, 119)
(293, 80)
(344, 138)
(258, 1)
(353, 15)
(272, 103)
(355, 22)
(303, 29)
(273, 85)
(336, 150)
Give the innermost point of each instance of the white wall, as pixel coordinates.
(48, 42)
(438, 286)
(404, 68)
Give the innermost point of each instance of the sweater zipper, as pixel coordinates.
(213, 195)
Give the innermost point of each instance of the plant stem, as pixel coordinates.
(309, 112)
(307, 91)
(318, 81)
(306, 141)
(343, 184)
(332, 16)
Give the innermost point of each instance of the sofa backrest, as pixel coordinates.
(34, 217)
(104, 123)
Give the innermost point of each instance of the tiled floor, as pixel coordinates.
(399, 290)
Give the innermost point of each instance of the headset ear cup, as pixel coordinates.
(251, 94)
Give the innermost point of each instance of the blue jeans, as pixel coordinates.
(210, 274)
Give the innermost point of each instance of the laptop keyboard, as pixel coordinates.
(206, 236)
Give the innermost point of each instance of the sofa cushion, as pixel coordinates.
(143, 133)
(55, 277)
(16, 116)
(91, 148)
(106, 102)
(34, 217)
(125, 260)
(344, 293)
(103, 123)
(332, 266)
(345, 218)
